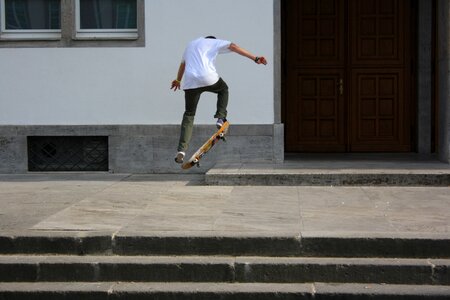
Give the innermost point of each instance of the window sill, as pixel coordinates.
(119, 34)
(30, 37)
(133, 37)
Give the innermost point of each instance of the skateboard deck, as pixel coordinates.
(195, 158)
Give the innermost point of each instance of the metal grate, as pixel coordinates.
(67, 153)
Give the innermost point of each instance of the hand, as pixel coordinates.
(262, 60)
(175, 85)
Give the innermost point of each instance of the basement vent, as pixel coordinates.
(67, 153)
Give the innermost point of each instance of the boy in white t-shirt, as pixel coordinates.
(200, 76)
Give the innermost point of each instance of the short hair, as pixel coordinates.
(210, 37)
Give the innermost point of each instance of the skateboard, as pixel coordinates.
(195, 158)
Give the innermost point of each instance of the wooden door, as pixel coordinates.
(379, 70)
(346, 83)
(315, 65)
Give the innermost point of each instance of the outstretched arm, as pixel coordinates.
(258, 59)
(177, 82)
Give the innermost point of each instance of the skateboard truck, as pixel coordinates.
(222, 137)
(196, 162)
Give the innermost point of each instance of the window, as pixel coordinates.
(106, 19)
(72, 23)
(37, 19)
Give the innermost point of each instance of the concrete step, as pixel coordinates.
(309, 244)
(338, 178)
(332, 171)
(224, 291)
(223, 269)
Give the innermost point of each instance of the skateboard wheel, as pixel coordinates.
(221, 135)
(195, 161)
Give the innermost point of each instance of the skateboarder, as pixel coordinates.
(200, 75)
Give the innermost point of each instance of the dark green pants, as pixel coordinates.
(192, 96)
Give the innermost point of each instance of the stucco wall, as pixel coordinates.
(95, 86)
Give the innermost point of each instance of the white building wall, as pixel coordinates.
(101, 86)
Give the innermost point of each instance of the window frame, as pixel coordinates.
(107, 34)
(27, 34)
(68, 37)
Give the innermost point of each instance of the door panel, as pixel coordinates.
(318, 38)
(377, 28)
(379, 112)
(317, 112)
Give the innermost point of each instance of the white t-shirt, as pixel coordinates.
(199, 57)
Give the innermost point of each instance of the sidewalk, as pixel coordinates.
(118, 203)
(112, 236)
